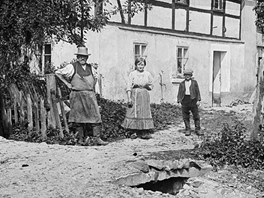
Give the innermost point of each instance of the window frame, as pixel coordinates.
(46, 66)
(219, 8)
(141, 53)
(184, 56)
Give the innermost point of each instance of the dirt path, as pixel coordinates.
(40, 170)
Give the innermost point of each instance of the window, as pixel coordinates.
(47, 58)
(47, 54)
(182, 58)
(218, 4)
(140, 50)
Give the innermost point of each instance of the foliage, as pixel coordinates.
(259, 10)
(165, 114)
(25, 25)
(233, 148)
(113, 114)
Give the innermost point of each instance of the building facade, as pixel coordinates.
(218, 39)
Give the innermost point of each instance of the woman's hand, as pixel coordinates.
(69, 85)
(147, 86)
(129, 103)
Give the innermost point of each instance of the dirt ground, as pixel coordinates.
(32, 170)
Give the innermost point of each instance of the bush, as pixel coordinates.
(232, 147)
(113, 114)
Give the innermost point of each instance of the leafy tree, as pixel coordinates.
(25, 24)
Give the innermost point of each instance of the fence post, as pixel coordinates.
(43, 119)
(29, 113)
(62, 111)
(15, 110)
(56, 112)
(21, 106)
(51, 85)
(37, 113)
(9, 116)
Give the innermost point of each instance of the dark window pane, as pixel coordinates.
(47, 49)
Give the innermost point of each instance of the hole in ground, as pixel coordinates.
(171, 185)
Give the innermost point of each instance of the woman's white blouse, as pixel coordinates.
(139, 78)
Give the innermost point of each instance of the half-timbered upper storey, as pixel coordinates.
(215, 18)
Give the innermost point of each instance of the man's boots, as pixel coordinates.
(197, 127)
(187, 127)
(96, 134)
(80, 135)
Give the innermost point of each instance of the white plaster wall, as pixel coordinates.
(160, 17)
(232, 8)
(249, 36)
(217, 25)
(180, 19)
(199, 22)
(203, 4)
(232, 27)
(138, 19)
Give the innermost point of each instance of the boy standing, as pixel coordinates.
(189, 98)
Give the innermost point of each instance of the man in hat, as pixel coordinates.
(189, 98)
(84, 108)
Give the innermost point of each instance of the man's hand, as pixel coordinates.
(198, 103)
(69, 85)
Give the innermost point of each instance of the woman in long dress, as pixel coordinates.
(138, 116)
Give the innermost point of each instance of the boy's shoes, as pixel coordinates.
(98, 141)
(188, 132)
(133, 136)
(146, 136)
(199, 132)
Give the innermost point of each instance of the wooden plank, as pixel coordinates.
(43, 117)
(15, 111)
(63, 111)
(9, 116)
(21, 107)
(51, 85)
(37, 116)
(56, 112)
(29, 113)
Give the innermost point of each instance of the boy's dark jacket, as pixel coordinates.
(194, 91)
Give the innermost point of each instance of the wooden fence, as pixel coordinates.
(31, 109)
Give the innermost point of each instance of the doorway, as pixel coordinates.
(218, 57)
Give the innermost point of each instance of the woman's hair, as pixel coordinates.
(138, 60)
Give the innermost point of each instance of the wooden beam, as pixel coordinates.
(161, 4)
(129, 11)
(146, 15)
(240, 21)
(187, 19)
(223, 22)
(173, 15)
(121, 11)
(212, 18)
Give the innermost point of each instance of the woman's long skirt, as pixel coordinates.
(139, 115)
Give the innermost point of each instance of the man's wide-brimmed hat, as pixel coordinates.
(187, 72)
(82, 51)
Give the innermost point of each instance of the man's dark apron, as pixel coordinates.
(83, 103)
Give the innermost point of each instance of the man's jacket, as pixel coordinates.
(194, 91)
